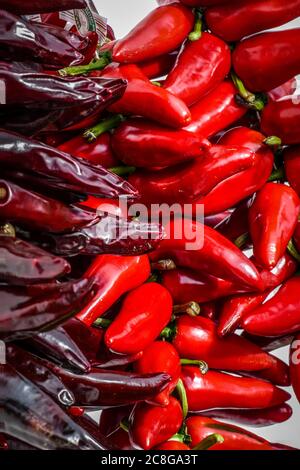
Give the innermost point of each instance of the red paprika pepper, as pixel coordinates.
(145, 312)
(267, 60)
(295, 365)
(200, 66)
(219, 390)
(272, 221)
(159, 66)
(160, 356)
(160, 32)
(282, 118)
(114, 276)
(235, 21)
(278, 316)
(151, 425)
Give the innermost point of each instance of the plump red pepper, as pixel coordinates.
(41, 6)
(235, 21)
(114, 276)
(235, 438)
(145, 144)
(151, 425)
(216, 255)
(278, 316)
(247, 182)
(187, 182)
(196, 338)
(160, 32)
(145, 312)
(295, 365)
(219, 390)
(200, 66)
(282, 118)
(272, 220)
(267, 60)
(159, 66)
(160, 356)
(216, 111)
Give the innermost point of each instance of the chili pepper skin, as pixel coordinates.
(22, 263)
(151, 425)
(267, 60)
(60, 170)
(187, 184)
(160, 356)
(235, 438)
(216, 111)
(272, 227)
(97, 153)
(278, 316)
(219, 390)
(282, 118)
(216, 255)
(144, 144)
(160, 32)
(200, 66)
(196, 338)
(145, 312)
(41, 6)
(172, 445)
(295, 366)
(142, 98)
(27, 310)
(40, 212)
(114, 275)
(233, 22)
(159, 66)
(277, 374)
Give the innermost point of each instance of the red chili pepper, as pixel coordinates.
(282, 118)
(277, 374)
(247, 182)
(235, 438)
(145, 312)
(184, 184)
(200, 66)
(160, 356)
(172, 445)
(267, 60)
(219, 390)
(196, 338)
(278, 316)
(235, 21)
(159, 66)
(114, 276)
(145, 144)
(216, 255)
(216, 111)
(160, 32)
(272, 221)
(295, 365)
(151, 425)
(284, 269)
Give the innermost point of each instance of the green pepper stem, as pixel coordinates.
(153, 278)
(193, 362)
(293, 251)
(241, 240)
(154, 82)
(124, 424)
(123, 170)
(191, 308)
(273, 141)
(103, 322)
(277, 175)
(197, 31)
(180, 389)
(251, 100)
(103, 126)
(168, 333)
(163, 265)
(209, 442)
(96, 64)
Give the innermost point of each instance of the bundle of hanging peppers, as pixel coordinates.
(149, 212)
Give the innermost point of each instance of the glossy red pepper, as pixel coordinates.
(114, 275)
(277, 374)
(159, 66)
(219, 390)
(235, 438)
(213, 253)
(161, 356)
(235, 21)
(278, 316)
(284, 269)
(145, 144)
(295, 365)
(216, 111)
(267, 60)
(196, 338)
(282, 118)
(187, 183)
(160, 32)
(151, 425)
(145, 312)
(200, 66)
(40, 6)
(272, 221)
